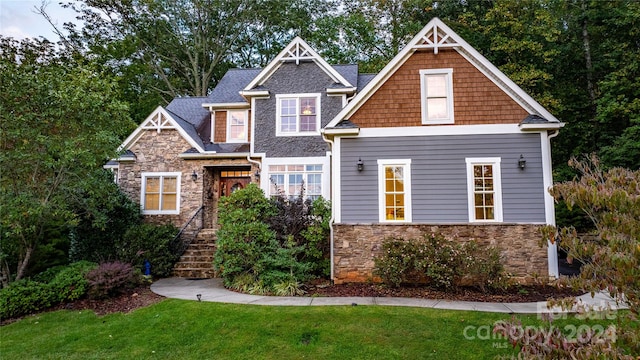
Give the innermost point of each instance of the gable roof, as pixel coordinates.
(434, 36)
(161, 119)
(297, 50)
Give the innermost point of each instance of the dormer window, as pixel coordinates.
(436, 87)
(298, 115)
(237, 126)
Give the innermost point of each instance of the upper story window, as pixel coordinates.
(298, 115)
(436, 88)
(160, 193)
(394, 190)
(484, 188)
(237, 127)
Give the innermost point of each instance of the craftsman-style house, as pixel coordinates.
(439, 140)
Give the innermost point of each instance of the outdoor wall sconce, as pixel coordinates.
(257, 174)
(522, 162)
(360, 164)
(194, 176)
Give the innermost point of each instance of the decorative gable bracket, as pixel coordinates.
(296, 52)
(435, 38)
(158, 122)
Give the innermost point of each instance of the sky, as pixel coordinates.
(19, 20)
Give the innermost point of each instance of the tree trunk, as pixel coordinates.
(22, 265)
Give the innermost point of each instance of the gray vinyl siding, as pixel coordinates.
(290, 78)
(439, 176)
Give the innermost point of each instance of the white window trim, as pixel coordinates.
(297, 97)
(423, 95)
(497, 185)
(145, 175)
(246, 127)
(265, 182)
(406, 163)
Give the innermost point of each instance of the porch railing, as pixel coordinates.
(186, 240)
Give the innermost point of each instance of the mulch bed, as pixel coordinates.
(529, 293)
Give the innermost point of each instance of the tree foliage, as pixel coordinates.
(60, 122)
(611, 199)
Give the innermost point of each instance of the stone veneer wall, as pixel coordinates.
(356, 246)
(159, 152)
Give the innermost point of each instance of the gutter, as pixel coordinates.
(332, 219)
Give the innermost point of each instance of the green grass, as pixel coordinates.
(178, 329)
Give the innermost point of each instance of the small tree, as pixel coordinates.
(611, 199)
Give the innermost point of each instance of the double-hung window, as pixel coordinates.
(484, 188)
(298, 114)
(436, 86)
(160, 193)
(394, 187)
(289, 180)
(237, 126)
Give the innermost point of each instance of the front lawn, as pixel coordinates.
(179, 329)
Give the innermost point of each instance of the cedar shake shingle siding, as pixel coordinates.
(477, 100)
(220, 134)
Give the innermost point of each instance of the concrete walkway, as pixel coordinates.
(212, 290)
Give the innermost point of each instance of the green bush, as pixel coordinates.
(71, 283)
(54, 286)
(155, 243)
(440, 263)
(111, 279)
(263, 242)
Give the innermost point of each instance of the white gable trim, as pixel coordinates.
(297, 50)
(433, 36)
(158, 120)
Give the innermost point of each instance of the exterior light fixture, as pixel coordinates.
(522, 162)
(360, 164)
(194, 176)
(257, 174)
(199, 296)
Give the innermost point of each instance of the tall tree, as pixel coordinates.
(59, 122)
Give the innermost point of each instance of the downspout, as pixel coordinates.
(332, 219)
(552, 251)
(257, 163)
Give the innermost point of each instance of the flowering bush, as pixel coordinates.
(439, 262)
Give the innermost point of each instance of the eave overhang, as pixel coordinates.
(220, 106)
(341, 131)
(340, 91)
(541, 126)
(212, 155)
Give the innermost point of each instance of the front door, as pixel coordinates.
(234, 180)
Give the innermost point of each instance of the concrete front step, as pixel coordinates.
(197, 260)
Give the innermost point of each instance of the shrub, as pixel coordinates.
(156, 243)
(110, 279)
(439, 262)
(71, 283)
(263, 242)
(54, 286)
